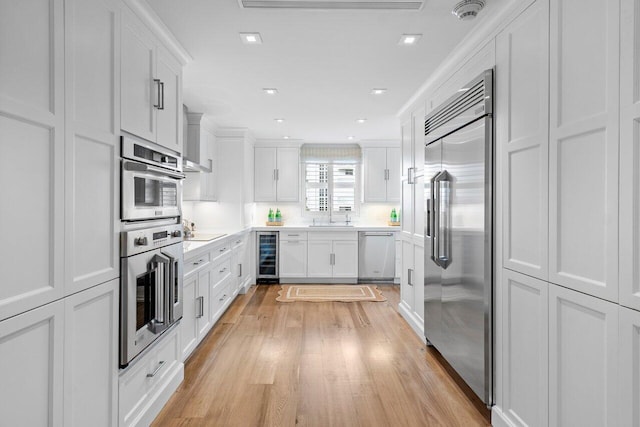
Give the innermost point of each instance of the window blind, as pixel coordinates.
(331, 153)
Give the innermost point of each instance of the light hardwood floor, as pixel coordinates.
(267, 363)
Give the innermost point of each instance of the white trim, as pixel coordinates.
(151, 19)
(498, 419)
(412, 320)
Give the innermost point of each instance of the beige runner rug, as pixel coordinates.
(324, 293)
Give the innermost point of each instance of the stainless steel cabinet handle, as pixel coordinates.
(223, 297)
(157, 82)
(239, 270)
(292, 235)
(223, 270)
(162, 97)
(223, 249)
(155, 371)
(277, 174)
(409, 277)
(200, 307)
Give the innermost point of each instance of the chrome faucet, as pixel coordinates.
(347, 219)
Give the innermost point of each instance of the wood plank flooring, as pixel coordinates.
(267, 363)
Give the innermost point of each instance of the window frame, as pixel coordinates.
(330, 213)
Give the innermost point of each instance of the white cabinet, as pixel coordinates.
(91, 356)
(32, 128)
(630, 155)
(293, 254)
(407, 295)
(381, 174)
(92, 143)
(276, 174)
(525, 344)
(241, 262)
(151, 93)
(201, 149)
(332, 255)
(583, 152)
(522, 64)
(196, 315)
(31, 367)
(583, 359)
(629, 362)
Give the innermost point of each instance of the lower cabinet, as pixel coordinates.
(148, 383)
(332, 255)
(583, 359)
(629, 367)
(293, 258)
(241, 262)
(61, 361)
(412, 283)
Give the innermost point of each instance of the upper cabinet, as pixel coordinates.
(32, 117)
(583, 150)
(276, 174)
(382, 174)
(151, 93)
(522, 106)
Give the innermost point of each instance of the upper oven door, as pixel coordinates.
(149, 192)
(144, 151)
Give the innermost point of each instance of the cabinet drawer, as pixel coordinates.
(220, 251)
(140, 383)
(238, 241)
(220, 298)
(293, 235)
(333, 235)
(220, 272)
(195, 263)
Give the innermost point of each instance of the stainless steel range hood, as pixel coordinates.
(189, 166)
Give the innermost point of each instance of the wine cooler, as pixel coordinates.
(268, 245)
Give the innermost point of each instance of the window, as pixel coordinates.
(331, 187)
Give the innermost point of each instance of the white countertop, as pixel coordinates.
(191, 247)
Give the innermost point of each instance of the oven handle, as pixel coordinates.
(174, 268)
(141, 167)
(162, 290)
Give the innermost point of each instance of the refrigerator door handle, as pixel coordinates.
(443, 181)
(434, 218)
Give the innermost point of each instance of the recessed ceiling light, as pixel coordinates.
(279, 120)
(251, 38)
(270, 90)
(409, 39)
(361, 120)
(350, 137)
(378, 91)
(285, 137)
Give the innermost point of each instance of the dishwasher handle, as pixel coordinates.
(375, 233)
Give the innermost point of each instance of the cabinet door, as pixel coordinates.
(264, 177)
(139, 92)
(345, 254)
(92, 143)
(205, 283)
(407, 294)
(169, 115)
(419, 208)
(209, 180)
(629, 367)
(375, 174)
(583, 360)
(31, 366)
(406, 214)
(394, 175)
(191, 309)
(525, 349)
(319, 259)
(630, 156)
(418, 282)
(522, 136)
(287, 167)
(91, 357)
(583, 151)
(406, 148)
(32, 175)
(293, 258)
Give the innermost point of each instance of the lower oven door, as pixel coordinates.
(149, 192)
(151, 298)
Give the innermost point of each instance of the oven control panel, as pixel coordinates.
(146, 239)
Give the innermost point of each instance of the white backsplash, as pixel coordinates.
(293, 214)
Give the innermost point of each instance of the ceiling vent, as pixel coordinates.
(468, 9)
(333, 4)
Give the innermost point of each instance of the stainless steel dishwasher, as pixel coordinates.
(376, 256)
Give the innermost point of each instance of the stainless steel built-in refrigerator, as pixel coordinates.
(458, 196)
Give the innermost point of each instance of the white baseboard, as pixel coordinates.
(412, 320)
(498, 419)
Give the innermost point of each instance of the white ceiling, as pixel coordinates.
(324, 64)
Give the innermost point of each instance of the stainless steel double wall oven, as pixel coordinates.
(150, 244)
